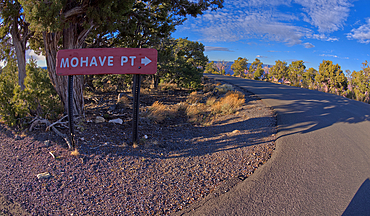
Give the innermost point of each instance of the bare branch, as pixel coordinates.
(73, 12)
(45, 121)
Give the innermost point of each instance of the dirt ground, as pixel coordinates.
(175, 164)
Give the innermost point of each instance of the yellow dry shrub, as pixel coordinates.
(182, 106)
(158, 112)
(194, 97)
(195, 112)
(210, 101)
(229, 103)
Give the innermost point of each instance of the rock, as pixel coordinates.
(44, 175)
(121, 97)
(99, 119)
(224, 88)
(116, 121)
(47, 143)
(112, 108)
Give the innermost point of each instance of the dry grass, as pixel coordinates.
(196, 113)
(194, 97)
(123, 100)
(167, 86)
(158, 112)
(229, 103)
(196, 110)
(210, 101)
(75, 153)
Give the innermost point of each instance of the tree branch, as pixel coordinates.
(73, 12)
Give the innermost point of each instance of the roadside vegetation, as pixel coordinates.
(330, 78)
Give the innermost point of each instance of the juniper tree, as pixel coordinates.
(66, 25)
(296, 70)
(255, 70)
(14, 35)
(331, 77)
(240, 66)
(279, 71)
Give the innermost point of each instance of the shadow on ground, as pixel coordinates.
(360, 203)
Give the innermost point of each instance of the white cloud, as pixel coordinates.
(362, 33)
(308, 45)
(259, 56)
(211, 48)
(264, 19)
(327, 15)
(333, 56)
(245, 25)
(31, 53)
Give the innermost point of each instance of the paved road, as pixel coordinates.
(321, 165)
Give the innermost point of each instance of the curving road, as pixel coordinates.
(321, 165)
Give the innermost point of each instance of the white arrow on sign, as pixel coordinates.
(145, 61)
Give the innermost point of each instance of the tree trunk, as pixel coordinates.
(60, 83)
(20, 51)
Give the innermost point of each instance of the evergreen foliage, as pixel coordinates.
(240, 66)
(331, 77)
(37, 99)
(279, 71)
(211, 68)
(359, 84)
(182, 62)
(255, 70)
(296, 70)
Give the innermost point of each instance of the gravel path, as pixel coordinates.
(177, 166)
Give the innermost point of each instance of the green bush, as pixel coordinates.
(39, 97)
(11, 107)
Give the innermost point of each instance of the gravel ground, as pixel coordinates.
(177, 166)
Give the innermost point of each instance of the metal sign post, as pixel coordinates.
(70, 111)
(136, 94)
(106, 61)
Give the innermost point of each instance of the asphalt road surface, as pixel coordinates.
(321, 165)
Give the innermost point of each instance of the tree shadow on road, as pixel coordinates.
(360, 203)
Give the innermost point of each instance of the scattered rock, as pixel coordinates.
(121, 96)
(99, 119)
(224, 88)
(44, 175)
(47, 143)
(112, 108)
(116, 121)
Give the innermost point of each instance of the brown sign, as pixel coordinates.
(106, 61)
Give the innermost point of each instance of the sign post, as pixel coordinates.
(134, 61)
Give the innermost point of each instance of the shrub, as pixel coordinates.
(194, 97)
(11, 107)
(158, 112)
(229, 103)
(39, 97)
(196, 112)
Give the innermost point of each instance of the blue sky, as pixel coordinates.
(287, 30)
